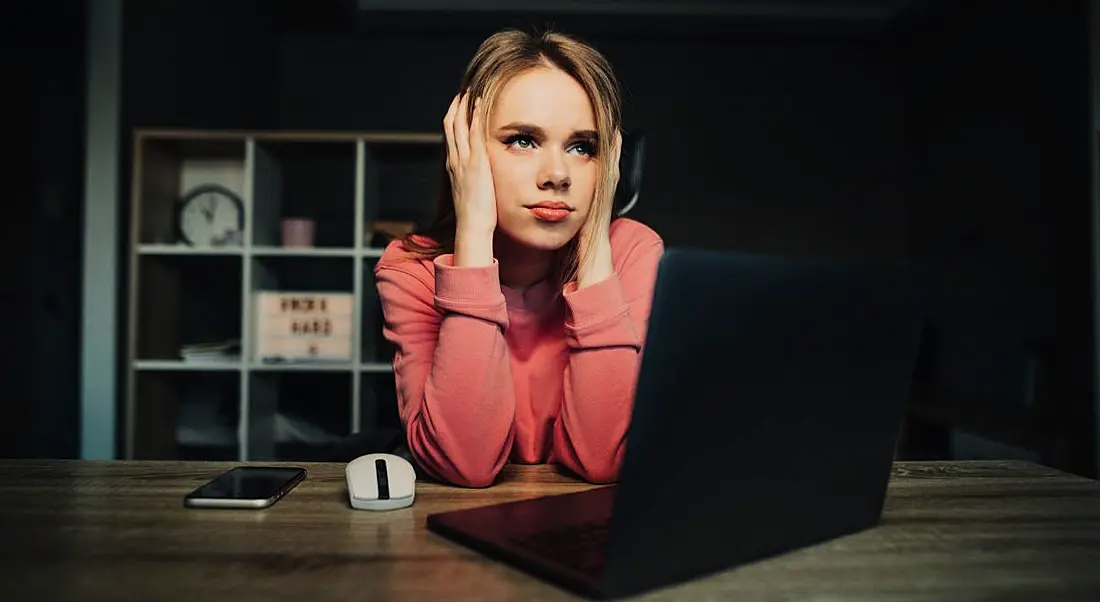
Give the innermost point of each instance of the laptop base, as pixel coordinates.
(560, 538)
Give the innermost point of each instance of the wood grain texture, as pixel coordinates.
(81, 530)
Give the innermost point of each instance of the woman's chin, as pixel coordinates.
(542, 239)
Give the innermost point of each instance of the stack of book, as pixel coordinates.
(217, 351)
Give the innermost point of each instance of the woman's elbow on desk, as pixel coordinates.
(602, 475)
(476, 480)
(597, 473)
(592, 467)
(474, 469)
(466, 477)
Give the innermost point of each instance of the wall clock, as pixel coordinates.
(210, 215)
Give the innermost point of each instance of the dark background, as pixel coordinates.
(953, 135)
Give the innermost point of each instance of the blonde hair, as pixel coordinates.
(501, 57)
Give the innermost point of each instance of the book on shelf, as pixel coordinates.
(216, 351)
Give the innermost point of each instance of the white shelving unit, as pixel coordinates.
(236, 408)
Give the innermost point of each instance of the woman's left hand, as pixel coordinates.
(595, 236)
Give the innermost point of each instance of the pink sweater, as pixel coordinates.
(487, 374)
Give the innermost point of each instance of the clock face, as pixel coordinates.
(211, 218)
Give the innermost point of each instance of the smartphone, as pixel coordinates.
(246, 487)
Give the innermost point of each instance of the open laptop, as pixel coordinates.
(768, 404)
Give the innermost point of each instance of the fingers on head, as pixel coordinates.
(448, 118)
(477, 124)
(464, 128)
(461, 127)
(448, 130)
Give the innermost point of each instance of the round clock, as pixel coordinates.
(210, 215)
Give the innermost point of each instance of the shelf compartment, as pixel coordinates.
(303, 273)
(278, 334)
(186, 415)
(303, 179)
(401, 183)
(374, 348)
(297, 416)
(377, 402)
(167, 167)
(185, 300)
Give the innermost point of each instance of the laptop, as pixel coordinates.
(769, 401)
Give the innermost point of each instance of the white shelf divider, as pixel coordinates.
(166, 249)
(187, 366)
(357, 285)
(249, 199)
(301, 367)
(270, 251)
(259, 395)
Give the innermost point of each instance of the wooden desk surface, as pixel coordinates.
(88, 531)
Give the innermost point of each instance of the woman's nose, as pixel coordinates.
(555, 173)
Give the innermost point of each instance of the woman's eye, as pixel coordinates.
(524, 142)
(584, 148)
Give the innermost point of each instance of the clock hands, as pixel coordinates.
(210, 209)
(203, 200)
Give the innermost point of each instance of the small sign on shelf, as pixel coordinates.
(303, 327)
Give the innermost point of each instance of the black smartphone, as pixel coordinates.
(246, 487)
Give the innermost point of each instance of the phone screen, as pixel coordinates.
(247, 486)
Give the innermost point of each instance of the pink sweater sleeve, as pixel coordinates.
(605, 331)
(451, 366)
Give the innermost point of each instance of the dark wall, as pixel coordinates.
(999, 126)
(763, 145)
(198, 64)
(43, 81)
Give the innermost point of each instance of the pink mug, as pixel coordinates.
(298, 232)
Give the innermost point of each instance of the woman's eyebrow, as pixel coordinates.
(537, 132)
(525, 128)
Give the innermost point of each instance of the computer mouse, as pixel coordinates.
(380, 482)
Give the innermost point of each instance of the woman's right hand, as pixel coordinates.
(471, 183)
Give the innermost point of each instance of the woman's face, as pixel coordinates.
(542, 145)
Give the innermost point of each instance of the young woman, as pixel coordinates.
(519, 315)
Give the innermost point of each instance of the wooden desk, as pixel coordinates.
(118, 531)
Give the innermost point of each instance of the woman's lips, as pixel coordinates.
(549, 214)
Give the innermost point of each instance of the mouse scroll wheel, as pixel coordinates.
(383, 479)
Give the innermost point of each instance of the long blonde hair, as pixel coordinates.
(501, 57)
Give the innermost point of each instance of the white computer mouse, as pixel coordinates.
(380, 482)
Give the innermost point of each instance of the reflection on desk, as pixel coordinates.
(82, 530)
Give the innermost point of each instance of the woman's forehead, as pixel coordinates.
(545, 97)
